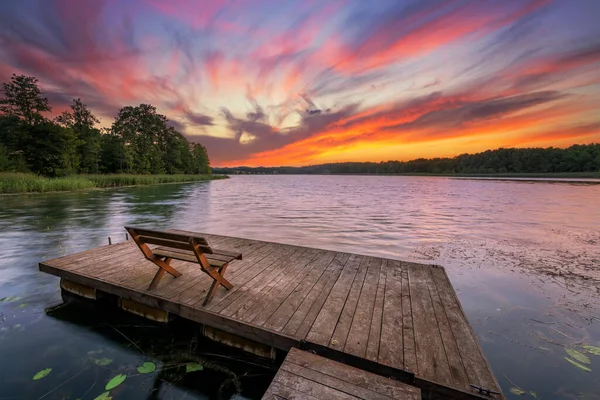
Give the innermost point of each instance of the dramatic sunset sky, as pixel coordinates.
(278, 82)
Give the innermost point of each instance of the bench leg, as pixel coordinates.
(218, 280)
(163, 266)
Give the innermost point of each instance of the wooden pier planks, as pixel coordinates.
(397, 314)
(308, 376)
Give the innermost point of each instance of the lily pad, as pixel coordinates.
(579, 356)
(595, 350)
(103, 362)
(147, 368)
(104, 396)
(42, 374)
(580, 366)
(116, 381)
(10, 298)
(517, 390)
(193, 367)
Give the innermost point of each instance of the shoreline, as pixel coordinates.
(95, 182)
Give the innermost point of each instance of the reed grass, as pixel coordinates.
(30, 183)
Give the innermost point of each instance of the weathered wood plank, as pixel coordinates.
(477, 369)
(254, 288)
(280, 317)
(408, 329)
(355, 376)
(458, 373)
(246, 270)
(340, 333)
(305, 315)
(277, 391)
(432, 363)
(278, 295)
(261, 271)
(310, 388)
(332, 382)
(247, 303)
(358, 336)
(327, 319)
(275, 287)
(377, 316)
(391, 347)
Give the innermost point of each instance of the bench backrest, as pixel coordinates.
(168, 239)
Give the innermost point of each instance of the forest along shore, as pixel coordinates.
(14, 183)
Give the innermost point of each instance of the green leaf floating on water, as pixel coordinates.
(518, 391)
(595, 350)
(147, 368)
(116, 381)
(104, 396)
(42, 374)
(193, 367)
(579, 356)
(575, 363)
(103, 362)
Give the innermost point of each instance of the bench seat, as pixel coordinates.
(217, 259)
(176, 246)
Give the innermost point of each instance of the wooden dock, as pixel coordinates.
(308, 376)
(389, 317)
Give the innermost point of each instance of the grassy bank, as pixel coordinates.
(30, 183)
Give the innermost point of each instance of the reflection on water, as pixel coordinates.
(523, 256)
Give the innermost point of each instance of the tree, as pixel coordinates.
(201, 162)
(24, 100)
(144, 133)
(51, 150)
(83, 122)
(112, 153)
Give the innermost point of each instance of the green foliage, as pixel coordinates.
(103, 362)
(29, 183)
(115, 381)
(81, 120)
(23, 99)
(140, 140)
(146, 368)
(595, 350)
(577, 355)
(201, 162)
(42, 374)
(193, 367)
(578, 365)
(51, 150)
(104, 396)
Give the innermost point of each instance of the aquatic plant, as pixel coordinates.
(31, 183)
(42, 374)
(147, 368)
(115, 381)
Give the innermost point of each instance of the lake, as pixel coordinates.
(523, 256)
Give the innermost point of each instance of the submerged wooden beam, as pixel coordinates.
(239, 342)
(80, 290)
(152, 313)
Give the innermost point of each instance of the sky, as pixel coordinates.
(275, 82)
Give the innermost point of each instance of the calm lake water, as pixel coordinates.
(524, 258)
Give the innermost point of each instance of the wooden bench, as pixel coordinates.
(175, 246)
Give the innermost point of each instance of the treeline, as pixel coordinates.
(577, 158)
(140, 140)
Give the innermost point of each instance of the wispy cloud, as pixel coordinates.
(266, 82)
